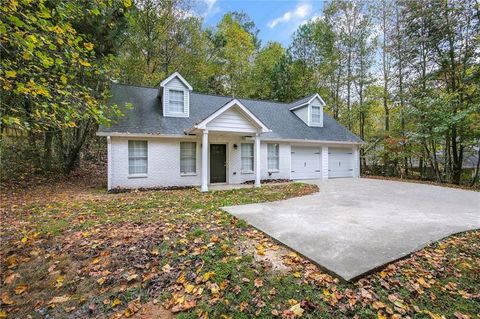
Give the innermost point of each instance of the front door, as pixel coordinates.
(218, 163)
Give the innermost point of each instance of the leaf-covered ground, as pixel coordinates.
(167, 254)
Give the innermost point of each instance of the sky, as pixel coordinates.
(276, 19)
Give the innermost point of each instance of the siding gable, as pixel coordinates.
(176, 84)
(305, 112)
(232, 120)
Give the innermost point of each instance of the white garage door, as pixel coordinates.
(340, 162)
(305, 162)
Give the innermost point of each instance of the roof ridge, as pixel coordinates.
(222, 96)
(303, 98)
(135, 85)
(240, 98)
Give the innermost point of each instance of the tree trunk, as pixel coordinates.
(47, 151)
(477, 169)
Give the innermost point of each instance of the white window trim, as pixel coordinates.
(193, 173)
(252, 159)
(136, 175)
(170, 111)
(312, 122)
(273, 170)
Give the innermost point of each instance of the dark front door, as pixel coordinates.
(218, 163)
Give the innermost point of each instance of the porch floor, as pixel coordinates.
(224, 187)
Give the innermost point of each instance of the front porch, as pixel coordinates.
(231, 129)
(221, 159)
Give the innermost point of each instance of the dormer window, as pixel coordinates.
(175, 94)
(316, 114)
(176, 101)
(310, 110)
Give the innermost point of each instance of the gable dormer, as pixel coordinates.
(310, 110)
(175, 96)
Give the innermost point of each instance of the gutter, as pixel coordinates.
(152, 135)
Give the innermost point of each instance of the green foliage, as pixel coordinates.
(47, 67)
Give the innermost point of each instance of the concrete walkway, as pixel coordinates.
(353, 226)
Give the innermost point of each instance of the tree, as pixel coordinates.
(263, 70)
(158, 31)
(235, 54)
(50, 73)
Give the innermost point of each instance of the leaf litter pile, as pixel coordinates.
(176, 254)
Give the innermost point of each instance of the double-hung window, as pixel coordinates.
(247, 157)
(273, 157)
(137, 157)
(188, 157)
(316, 114)
(176, 101)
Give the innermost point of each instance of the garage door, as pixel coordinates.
(340, 162)
(305, 162)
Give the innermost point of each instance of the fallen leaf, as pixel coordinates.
(12, 261)
(11, 278)
(423, 283)
(381, 315)
(167, 268)
(258, 282)
(59, 299)
(6, 299)
(206, 276)
(132, 308)
(20, 289)
(116, 302)
(460, 315)
(378, 305)
(297, 310)
(59, 282)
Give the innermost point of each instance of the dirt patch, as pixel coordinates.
(151, 311)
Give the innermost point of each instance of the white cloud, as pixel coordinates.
(300, 12)
(211, 8)
(314, 18)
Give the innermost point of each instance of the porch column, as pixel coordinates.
(109, 163)
(257, 160)
(204, 161)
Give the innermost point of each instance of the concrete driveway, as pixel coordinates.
(353, 226)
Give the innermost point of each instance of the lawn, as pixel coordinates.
(167, 254)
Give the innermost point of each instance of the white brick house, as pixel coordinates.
(175, 137)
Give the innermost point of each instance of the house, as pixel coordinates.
(174, 136)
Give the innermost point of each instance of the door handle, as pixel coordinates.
(305, 164)
(225, 164)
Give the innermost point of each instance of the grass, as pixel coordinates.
(111, 253)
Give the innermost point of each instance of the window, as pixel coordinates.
(247, 157)
(273, 157)
(188, 157)
(175, 101)
(316, 114)
(137, 157)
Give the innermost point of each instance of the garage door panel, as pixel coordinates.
(305, 163)
(340, 162)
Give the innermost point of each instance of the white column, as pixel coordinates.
(205, 161)
(109, 163)
(356, 166)
(324, 162)
(257, 160)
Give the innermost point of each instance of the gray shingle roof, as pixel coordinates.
(146, 116)
(301, 101)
